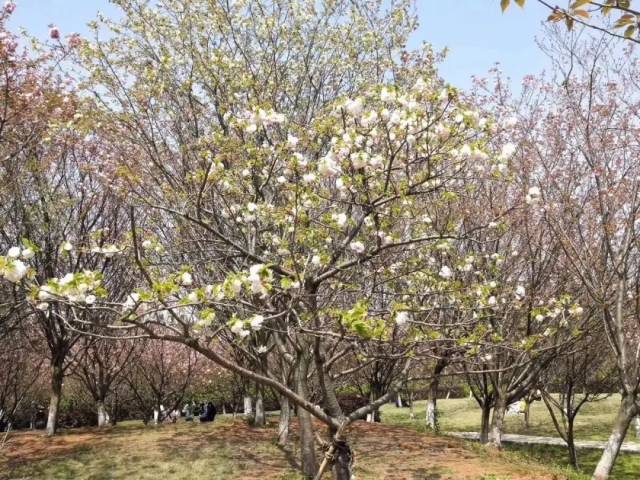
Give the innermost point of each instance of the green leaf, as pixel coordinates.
(29, 244)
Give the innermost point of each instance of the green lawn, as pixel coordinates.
(593, 423)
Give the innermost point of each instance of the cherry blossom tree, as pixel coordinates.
(295, 172)
(583, 375)
(101, 368)
(585, 143)
(18, 382)
(59, 225)
(304, 200)
(161, 378)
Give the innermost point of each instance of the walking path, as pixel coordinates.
(627, 447)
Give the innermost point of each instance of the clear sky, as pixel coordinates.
(476, 32)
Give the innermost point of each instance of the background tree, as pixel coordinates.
(584, 145)
(581, 376)
(101, 368)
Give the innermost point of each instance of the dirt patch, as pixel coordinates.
(396, 453)
(381, 452)
(35, 446)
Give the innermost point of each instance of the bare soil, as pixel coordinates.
(381, 452)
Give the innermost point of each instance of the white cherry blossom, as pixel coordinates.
(357, 247)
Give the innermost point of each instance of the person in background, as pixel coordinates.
(188, 411)
(209, 414)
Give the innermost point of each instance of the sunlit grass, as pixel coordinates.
(181, 452)
(593, 423)
(229, 449)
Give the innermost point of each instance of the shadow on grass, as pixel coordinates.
(627, 466)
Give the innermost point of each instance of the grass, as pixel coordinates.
(593, 423)
(134, 451)
(463, 415)
(229, 449)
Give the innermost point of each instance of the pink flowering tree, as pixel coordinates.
(583, 139)
(59, 226)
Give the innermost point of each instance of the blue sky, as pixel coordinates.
(476, 32)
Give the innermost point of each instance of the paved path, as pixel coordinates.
(627, 447)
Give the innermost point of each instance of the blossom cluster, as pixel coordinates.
(12, 267)
(81, 288)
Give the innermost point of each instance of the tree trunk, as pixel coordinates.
(259, 419)
(343, 461)
(283, 425)
(115, 410)
(627, 411)
(527, 413)
(497, 422)
(57, 377)
(484, 425)
(412, 415)
(375, 415)
(571, 445)
(432, 421)
(103, 417)
(32, 416)
(307, 446)
(431, 415)
(248, 406)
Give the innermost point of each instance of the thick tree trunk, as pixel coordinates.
(627, 411)
(497, 422)
(259, 419)
(343, 461)
(484, 425)
(432, 400)
(57, 377)
(103, 417)
(307, 446)
(307, 450)
(283, 425)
